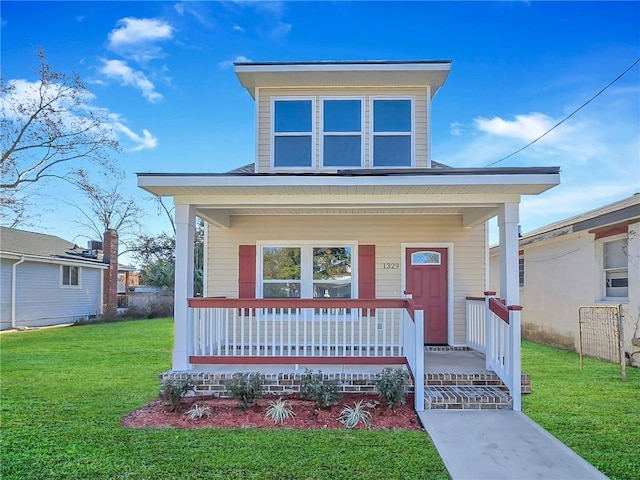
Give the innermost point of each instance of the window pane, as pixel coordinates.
(74, 276)
(617, 284)
(392, 151)
(342, 116)
(332, 290)
(615, 254)
(332, 263)
(342, 151)
(292, 151)
(292, 116)
(281, 263)
(392, 115)
(281, 290)
(65, 275)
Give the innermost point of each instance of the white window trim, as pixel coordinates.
(323, 133)
(273, 134)
(61, 277)
(603, 272)
(372, 134)
(306, 288)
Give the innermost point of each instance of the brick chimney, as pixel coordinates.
(110, 295)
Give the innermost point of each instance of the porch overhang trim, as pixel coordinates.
(180, 184)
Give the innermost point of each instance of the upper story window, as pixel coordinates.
(616, 268)
(342, 132)
(70, 276)
(392, 132)
(293, 133)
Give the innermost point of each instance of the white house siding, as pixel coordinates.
(5, 293)
(386, 232)
(420, 119)
(563, 274)
(40, 300)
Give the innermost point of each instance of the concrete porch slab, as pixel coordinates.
(502, 444)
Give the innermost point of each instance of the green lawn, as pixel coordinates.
(63, 392)
(592, 411)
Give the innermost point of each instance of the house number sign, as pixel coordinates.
(390, 266)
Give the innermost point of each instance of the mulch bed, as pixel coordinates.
(226, 413)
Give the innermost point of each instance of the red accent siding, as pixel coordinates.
(247, 271)
(611, 232)
(367, 272)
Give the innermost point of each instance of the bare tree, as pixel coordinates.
(47, 129)
(108, 209)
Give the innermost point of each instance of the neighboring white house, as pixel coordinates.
(344, 243)
(45, 280)
(589, 259)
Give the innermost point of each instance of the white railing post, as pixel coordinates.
(514, 354)
(418, 374)
(488, 331)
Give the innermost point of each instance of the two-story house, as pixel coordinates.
(344, 245)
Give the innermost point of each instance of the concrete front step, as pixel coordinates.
(455, 397)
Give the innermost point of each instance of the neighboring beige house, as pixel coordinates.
(344, 245)
(45, 280)
(589, 259)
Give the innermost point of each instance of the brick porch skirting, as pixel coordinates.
(276, 383)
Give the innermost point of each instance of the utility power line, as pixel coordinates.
(568, 116)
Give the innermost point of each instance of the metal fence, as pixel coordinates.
(601, 334)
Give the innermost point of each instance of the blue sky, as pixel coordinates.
(163, 71)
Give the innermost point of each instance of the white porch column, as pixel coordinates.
(183, 289)
(508, 218)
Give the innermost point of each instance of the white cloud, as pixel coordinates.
(136, 38)
(125, 75)
(179, 7)
(280, 30)
(229, 63)
(456, 129)
(524, 127)
(238, 28)
(145, 142)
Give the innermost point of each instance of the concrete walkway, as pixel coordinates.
(501, 444)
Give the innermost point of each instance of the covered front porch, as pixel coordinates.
(412, 246)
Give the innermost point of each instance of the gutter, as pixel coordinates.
(13, 290)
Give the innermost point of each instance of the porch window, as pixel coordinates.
(332, 272)
(281, 272)
(341, 132)
(392, 132)
(70, 276)
(292, 133)
(306, 271)
(616, 270)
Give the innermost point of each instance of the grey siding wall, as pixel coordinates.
(41, 300)
(5, 294)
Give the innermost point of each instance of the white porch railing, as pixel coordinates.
(476, 325)
(253, 331)
(494, 329)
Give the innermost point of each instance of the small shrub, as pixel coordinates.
(245, 387)
(174, 391)
(279, 411)
(315, 387)
(390, 386)
(199, 411)
(350, 417)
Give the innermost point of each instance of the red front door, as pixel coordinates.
(427, 282)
